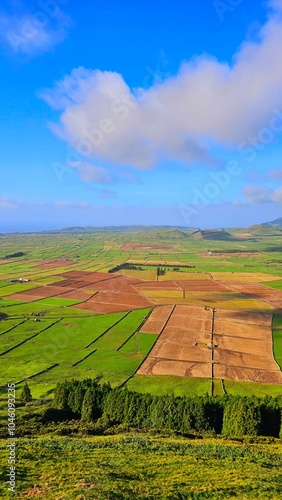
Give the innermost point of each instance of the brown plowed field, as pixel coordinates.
(104, 308)
(88, 276)
(194, 311)
(161, 313)
(248, 374)
(240, 359)
(115, 292)
(237, 344)
(171, 350)
(68, 283)
(259, 292)
(243, 346)
(244, 317)
(24, 297)
(153, 326)
(76, 274)
(38, 293)
(184, 337)
(242, 330)
(157, 320)
(120, 298)
(181, 321)
(155, 366)
(76, 295)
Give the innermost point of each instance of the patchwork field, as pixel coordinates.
(65, 315)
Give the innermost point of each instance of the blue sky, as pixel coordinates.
(141, 112)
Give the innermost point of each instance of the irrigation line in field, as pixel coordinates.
(112, 326)
(140, 364)
(135, 331)
(223, 386)
(29, 338)
(38, 373)
(85, 357)
(13, 327)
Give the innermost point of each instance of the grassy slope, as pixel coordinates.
(144, 467)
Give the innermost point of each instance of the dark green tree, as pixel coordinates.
(91, 409)
(75, 397)
(26, 394)
(241, 416)
(61, 396)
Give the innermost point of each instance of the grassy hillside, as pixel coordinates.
(144, 467)
(263, 230)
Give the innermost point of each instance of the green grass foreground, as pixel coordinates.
(143, 466)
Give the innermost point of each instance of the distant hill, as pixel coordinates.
(266, 229)
(176, 234)
(275, 223)
(112, 229)
(212, 234)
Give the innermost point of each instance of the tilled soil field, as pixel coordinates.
(201, 342)
(157, 320)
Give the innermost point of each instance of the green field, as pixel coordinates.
(275, 284)
(104, 345)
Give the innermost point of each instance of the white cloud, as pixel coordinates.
(276, 4)
(277, 195)
(207, 103)
(275, 174)
(71, 204)
(256, 194)
(9, 203)
(91, 173)
(36, 33)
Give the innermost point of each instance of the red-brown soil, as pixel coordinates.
(110, 292)
(243, 346)
(257, 291)
(104, 307)
(157, 319)
(38, 293)
(132, 300)
(244, 317)
(243, 330)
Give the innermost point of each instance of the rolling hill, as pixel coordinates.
(275, 223)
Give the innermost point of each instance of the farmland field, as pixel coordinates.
(67, 313)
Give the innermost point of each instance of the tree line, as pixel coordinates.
(232, 416)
